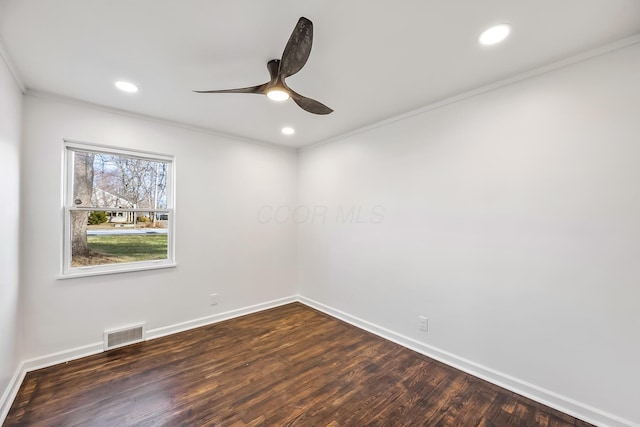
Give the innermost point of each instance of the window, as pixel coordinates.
(118, 210)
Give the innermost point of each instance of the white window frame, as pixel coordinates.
(67, 270)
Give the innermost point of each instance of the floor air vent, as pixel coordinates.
(115, 338)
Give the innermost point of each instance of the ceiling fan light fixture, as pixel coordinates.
(278, 94)
(495, 34)
(126, 86)
(294, 56)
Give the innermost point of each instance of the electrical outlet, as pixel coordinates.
(213, 299)
(424, 323)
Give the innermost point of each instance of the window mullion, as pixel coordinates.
(110, 209)
(120, 177)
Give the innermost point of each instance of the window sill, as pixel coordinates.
(96, 271)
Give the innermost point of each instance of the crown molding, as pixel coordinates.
(12, 68)
(593, 53)
(167, 122)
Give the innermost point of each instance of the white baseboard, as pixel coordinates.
(29, 365)
(11, 392)
(539, 394)
(523, 388)
(62, 356)
(215, 318)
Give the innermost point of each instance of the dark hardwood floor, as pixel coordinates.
(286, 366)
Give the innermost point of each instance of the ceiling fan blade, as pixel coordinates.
(298, 48)
(308, 104)
(253, 89)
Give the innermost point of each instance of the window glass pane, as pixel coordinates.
(112, 237)
(116, 181)
(118, 206)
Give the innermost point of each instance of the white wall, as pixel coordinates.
(510, 219)
(220, 245)
(10, 128)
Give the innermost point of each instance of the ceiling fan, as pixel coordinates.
(295, 55)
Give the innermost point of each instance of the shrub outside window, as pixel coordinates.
(118, 210)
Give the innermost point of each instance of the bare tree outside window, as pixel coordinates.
(83, 188)
(119, 208)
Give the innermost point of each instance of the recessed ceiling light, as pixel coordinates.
(126, 86)
(494, 35)
(287, 130)
(277, 94)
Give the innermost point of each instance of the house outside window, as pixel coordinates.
(118, 210)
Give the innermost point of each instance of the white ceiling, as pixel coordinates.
(371, 59)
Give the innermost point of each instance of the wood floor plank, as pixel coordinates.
(289, 366)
